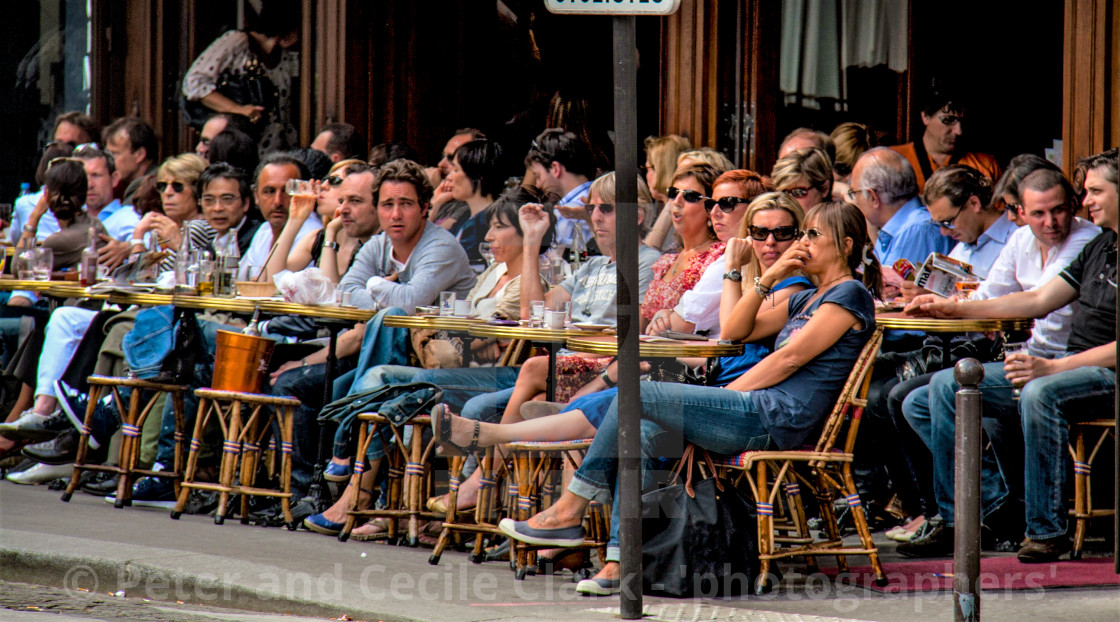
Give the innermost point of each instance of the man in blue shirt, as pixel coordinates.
(958, 199)
(561, 159)
(885, 190)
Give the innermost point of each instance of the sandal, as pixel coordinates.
(376, 529)
(441, 426)
(438, 505)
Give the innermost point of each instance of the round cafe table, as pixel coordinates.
(607, 345)
(901, 321)
(550, 338)
(453, 323)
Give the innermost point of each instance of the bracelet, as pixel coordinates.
(768, 294)
(138, 241)
(607, 380)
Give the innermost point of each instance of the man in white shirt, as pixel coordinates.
(271, 177)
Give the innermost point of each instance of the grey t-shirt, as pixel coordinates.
(593, 287)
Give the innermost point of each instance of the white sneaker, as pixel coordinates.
(41, 473)
(32, 426)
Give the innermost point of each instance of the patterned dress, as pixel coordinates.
(664, 293)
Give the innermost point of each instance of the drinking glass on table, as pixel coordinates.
(536, 313)
(565, 307)
(447, 304)
(42, 259)
(1010, 349)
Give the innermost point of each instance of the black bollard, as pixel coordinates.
(966, 492)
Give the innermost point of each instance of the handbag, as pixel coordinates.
(251, 86)
(698, 539)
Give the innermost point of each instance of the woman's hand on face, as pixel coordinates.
(737, 253)
(534, 222)
(442, 194)
(793, 260)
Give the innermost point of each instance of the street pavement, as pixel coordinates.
(140, 561)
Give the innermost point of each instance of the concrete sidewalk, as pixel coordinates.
(88, 545)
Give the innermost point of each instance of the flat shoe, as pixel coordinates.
(375, 529)
(599, 587)
(441, 427)
(438, 505)
(319, 524)
(563, 537)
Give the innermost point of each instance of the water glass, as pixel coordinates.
(446, 303)
(296, 187)
(536, 313)
(565, 307)
(484, 249)
(205, 278)
(1018, 347)
(556, 271)
(42, 260)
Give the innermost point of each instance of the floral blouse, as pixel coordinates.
(664, 293)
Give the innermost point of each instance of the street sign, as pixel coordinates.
(613, 7)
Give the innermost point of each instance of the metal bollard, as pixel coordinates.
(966, 492)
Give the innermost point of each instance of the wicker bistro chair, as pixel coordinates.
(536, 473)
(830, 467)
(1083, 512)
(242, 447)
(132, 422)
(483, 520)
(408, 470)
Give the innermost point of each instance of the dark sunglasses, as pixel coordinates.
(690, 196)
(798, 193)
(781, 234)
(727, 204)
(333, 180)
(604, 208)
(177, 186)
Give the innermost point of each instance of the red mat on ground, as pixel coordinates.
(996, 573)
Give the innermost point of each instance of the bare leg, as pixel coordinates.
(531, 380)
(566, 512)
(468, 491)
(337, 512)
(23, 402)
(45, 404)
(565, 426)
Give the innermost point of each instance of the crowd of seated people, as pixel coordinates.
(791, 262)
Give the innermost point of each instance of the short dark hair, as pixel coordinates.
(941, 94)
(1045, 179)
(1019, 167)
(317, 162)
(474, 133)
(224, 170)
(281, 158)
(482, 162)
(237, 122)
(276, 18)
(235, 147)
(508, 208)
(558, 145)
(359, 167)
(82, 121)
(92, 152)
(387, 152)
(345, 140)
(146, 198)
(139, 134)
(66, 184)
(1104, 161)
(404, 171)
(957, 182)
(53, 150)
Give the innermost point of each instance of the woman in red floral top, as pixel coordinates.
(676, 273)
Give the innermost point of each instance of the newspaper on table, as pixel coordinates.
(940, 274)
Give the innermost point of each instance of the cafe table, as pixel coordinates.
(655, 347)
(898, 320)
(551, 339)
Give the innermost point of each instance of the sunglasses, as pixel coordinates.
(799, 192)
(177, 186)
(333, 180)
(948, 224)
(604, 208)
(727, 204)
(781, 234)
(691, 196)
(63, 159)
(812, 234)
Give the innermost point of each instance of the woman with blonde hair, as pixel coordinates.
(851, 140)
(177, 183)
(805, 175)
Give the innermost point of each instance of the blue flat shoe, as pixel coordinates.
(318, 524)
(563, 537)
(336, 472)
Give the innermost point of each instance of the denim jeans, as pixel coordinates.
(931, 412)
(1046, 406)
(720, 420)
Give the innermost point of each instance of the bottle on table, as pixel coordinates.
(225, 273)
(88, 267)
(185, 276)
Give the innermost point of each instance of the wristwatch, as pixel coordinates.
(733, 275)
(331, 245)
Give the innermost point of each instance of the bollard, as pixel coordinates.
(966, 492)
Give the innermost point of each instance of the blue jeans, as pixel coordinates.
(720, 420)
(931, 412)
(1046, 406)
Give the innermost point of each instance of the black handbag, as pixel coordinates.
(698, 539)
(250, 87)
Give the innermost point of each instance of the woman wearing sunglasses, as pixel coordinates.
(805, 175)
(332, 240)
(780, 401)
(176, 183)
(676, 273)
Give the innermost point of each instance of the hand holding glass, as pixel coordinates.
(1009, 350)
(302, 187)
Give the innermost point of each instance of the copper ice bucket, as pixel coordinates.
(241, 362)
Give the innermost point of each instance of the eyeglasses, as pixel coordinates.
(950, 119)
(226, 200)
(852, 192)
(948, 224)
(727, 204)
(799, 192)
(604, 208)
(333, 180)
(812, 234)
(781, 234)
(690, 196)
(177, 186)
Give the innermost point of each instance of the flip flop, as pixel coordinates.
(441, 426)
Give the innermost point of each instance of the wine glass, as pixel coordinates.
(487, 252)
